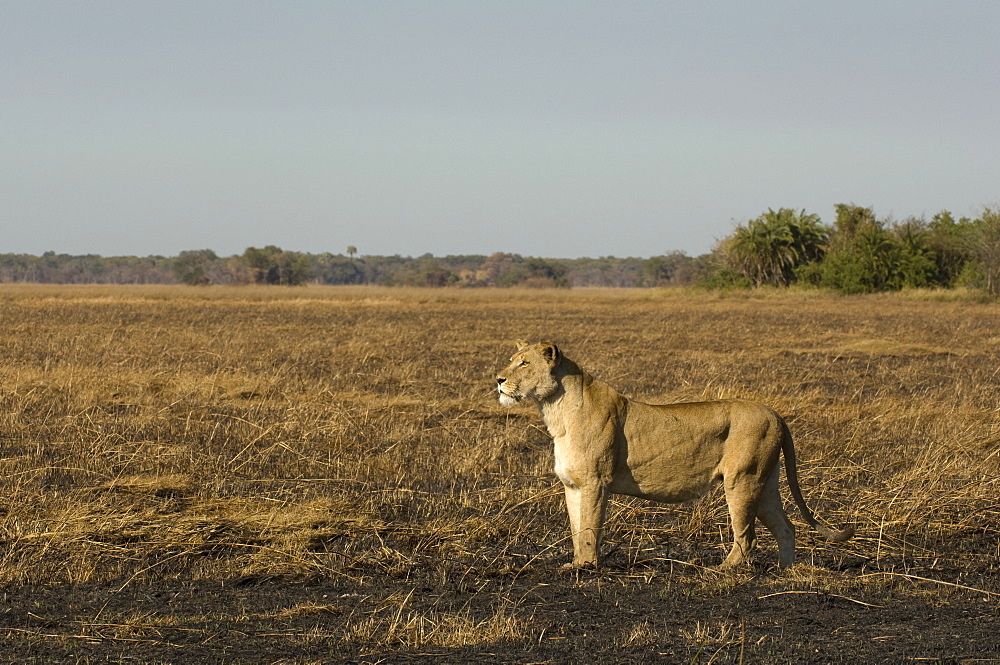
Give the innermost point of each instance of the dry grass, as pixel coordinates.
(163, 437)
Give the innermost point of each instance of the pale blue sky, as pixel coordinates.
(557, 129)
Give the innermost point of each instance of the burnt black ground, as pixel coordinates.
(574, 618)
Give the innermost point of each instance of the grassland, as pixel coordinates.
(320, 475)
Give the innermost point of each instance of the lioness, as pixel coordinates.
(606, 443)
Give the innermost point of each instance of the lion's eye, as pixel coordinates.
(522, 363)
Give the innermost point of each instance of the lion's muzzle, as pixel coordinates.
(506, 398)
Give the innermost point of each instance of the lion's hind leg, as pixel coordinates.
(772, 514)
(741, 497)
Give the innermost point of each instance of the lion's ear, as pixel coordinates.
(550, 352)
(522, 344)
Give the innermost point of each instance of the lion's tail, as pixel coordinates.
(792, 476)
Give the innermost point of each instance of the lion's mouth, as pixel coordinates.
(508, 399)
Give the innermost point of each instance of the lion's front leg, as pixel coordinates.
(586, 507)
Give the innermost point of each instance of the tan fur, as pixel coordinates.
(608, 444)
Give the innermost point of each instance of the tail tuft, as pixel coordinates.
(835, 536)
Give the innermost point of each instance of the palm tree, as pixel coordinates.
(767, 250)
(879, 255)
(811, 236)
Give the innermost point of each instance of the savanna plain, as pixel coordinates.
(324, 475)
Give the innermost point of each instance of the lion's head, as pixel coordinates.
(530, 373)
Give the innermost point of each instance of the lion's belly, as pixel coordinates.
(667, 466)
(665, 454)
(663, 489)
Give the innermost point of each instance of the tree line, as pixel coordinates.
(273, 265)
(858, 253)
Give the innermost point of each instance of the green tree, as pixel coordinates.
(293, 268)
(865, 264)
(544, 272)
(670, 269)
(843, 271)
(868, 256)
(915, 261)
(425, 271)
(273, 265)
(851, 219)
(431, 273)
(192, 267)
(952, 244)
(985, 248)
(878, 253)
(863, 257)
(330, 269)
(260, 263)
(768, 250)
(508, 269)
